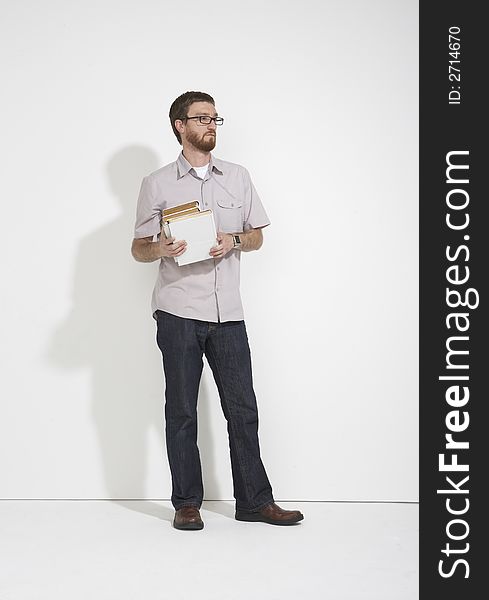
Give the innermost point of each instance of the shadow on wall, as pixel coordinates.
(111, 332)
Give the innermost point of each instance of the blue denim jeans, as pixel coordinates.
(182, 343)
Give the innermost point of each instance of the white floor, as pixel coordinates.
(125, 550)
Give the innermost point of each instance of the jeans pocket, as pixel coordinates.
(160, 318)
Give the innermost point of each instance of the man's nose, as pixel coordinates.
(212, 125)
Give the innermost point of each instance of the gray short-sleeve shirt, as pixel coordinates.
(207, 290)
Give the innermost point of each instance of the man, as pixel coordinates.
(198, 311)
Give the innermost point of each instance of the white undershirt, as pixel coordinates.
(201, 171)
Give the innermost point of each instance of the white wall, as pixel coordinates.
(320, 101)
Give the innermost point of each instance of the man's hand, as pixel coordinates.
(225, 244)
(145, 250)
(171, 248)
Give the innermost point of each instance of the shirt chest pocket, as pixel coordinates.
(229, 214)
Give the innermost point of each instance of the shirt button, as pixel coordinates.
(218, 268)
(206, 204)
(232, 204)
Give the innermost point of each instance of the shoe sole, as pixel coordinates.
(189, 526)
(257, 518)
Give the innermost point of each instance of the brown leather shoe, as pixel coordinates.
(271, 513)
(187, 517)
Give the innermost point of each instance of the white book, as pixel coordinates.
(198, 230)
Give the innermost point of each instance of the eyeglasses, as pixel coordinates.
(206, 120)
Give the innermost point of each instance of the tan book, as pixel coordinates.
(186, 216)
(181, 207)
(183, 213)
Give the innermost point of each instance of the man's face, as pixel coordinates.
(202, 137)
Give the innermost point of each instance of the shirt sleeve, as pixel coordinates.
(148, 214)
(255, 215)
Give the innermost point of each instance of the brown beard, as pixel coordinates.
(204, 143)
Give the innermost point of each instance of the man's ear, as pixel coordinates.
(179, 125)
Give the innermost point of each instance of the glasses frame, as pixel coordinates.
(200, 117)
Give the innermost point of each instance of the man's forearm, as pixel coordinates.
(251, 240)
(147, 252)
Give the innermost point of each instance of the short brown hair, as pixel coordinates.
(180, 106)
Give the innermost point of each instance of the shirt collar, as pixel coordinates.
(183, 166)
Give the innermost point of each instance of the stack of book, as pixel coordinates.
(197, 227)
